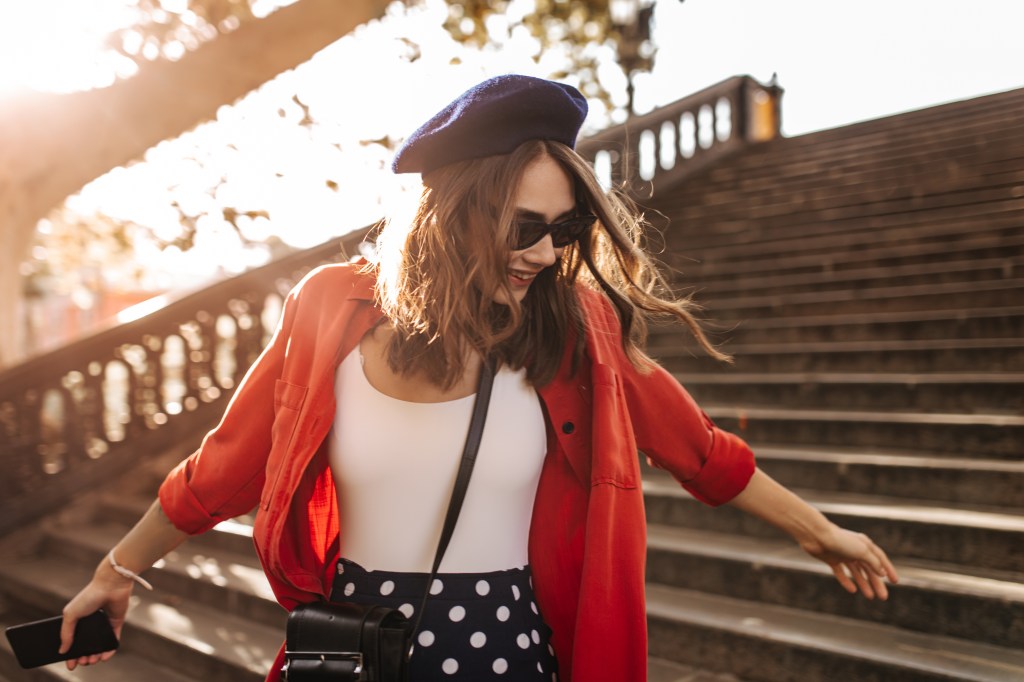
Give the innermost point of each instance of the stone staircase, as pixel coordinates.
(868, 281)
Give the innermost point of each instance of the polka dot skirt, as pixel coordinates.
(477, 626)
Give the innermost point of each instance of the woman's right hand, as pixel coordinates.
(108, 591)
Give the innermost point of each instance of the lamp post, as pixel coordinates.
(631, 20)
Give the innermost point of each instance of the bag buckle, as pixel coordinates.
(323, 656)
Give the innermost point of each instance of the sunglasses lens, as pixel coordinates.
(563, 233)
(569, 231)
(529, 233)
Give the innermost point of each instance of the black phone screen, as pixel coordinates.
(36, 643)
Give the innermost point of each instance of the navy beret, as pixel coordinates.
(491, 118)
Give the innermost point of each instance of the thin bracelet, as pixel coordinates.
(121, 570)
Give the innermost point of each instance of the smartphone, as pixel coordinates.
(36, 643)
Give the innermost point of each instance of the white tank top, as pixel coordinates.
(394, 464)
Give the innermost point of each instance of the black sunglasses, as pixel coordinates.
(564, 232)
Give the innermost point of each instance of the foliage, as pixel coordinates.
(170, 27)
(574, 26)
(202, 198)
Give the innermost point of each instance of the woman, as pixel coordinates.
(347, 431)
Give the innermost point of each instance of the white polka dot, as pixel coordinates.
(387, 587)
(523, 641)
(436, 586)
(554, 677)
(539, 668)
(515, 592)
(478, 640)
(551, 650)
(483, 588)
(407, 610)
(457, 613)
(349, 589)
(531, 581)
(500, 666)
(450, 666)
(533, 605)
(503, 614)
(535, 636)
(426, 638)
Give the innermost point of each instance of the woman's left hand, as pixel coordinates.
(856, 561)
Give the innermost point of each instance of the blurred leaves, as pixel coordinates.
(168, 28)
(571, 26)
(278, 171)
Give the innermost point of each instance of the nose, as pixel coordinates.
(543, 253)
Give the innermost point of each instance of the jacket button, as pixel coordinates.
(568, 427)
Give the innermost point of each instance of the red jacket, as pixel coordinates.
(587, 543)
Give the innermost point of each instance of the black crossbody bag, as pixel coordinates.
(369, 643)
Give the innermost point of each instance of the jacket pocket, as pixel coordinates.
(288, 401)
(614, 457)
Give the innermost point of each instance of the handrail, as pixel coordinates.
(80, 414)
(676, 141)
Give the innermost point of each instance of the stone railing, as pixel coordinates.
(87, 411)
(669, 144)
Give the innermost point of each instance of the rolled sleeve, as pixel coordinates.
(726, 471)
(181, 505)
(677, 436)
(668, 425)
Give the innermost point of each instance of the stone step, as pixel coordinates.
(996, 293)
(204, 643)
(219, 578)
(965, 241)
(125, 666)
(973, 121)
(908, 177)
(964, 392)
(1010, 267)
(984, 538)
(916, 325)
(783, 211)
(804, 201)
(951, 481)
(849, 244)
(989, 436)
(892, 137)
(733, 228)
(910, 357)
(764, 642)
(660, 670)
(910, 174)
(933, 599)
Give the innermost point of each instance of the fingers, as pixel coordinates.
(859, 577)
(879, 562)
(840, 572)
(67, 631)
(89, 660)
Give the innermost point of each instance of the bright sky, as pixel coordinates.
(841, 62)
(838, 62)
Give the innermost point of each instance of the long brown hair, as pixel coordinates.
(438, 274)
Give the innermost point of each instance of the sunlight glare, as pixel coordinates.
(57, 45)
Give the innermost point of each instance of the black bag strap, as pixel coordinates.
(476, 430)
